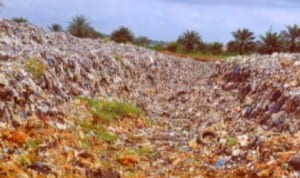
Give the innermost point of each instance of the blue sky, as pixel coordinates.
(163, 19)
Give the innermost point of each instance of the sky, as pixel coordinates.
(164, 20)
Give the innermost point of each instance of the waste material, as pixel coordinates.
(233, 118)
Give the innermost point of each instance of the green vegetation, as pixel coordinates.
(292, 37)
(173, 47)
(189, 43)
(24, 160)
(36, 67)
(85, 143)
(208, 55)
(20, 20)
(231, 141)
(243, 41)
(103, 110)
(127, 152)
(118, 58)
(109, 110)
(156, 47)
(122, 35)
(215, 48)
(100, 132)
(56, 28)
(104, 135)
(142, 41)
(270, 42)
(190, 40)
(80, 27)
(144, 151)
(106, 39)
(31, 144)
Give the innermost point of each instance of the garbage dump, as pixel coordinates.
(234, 118)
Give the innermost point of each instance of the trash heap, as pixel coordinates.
(236, 118)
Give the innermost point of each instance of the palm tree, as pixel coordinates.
(292, 36)
(56, 28)
(243, 41)
(122, 35)
(270, 42)
(190, 40)
(80, 27)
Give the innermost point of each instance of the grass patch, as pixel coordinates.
(207, 56)
(24, 160)
(135, 174)
(101, 133)
(85, 143)
(36, 67)
(106, 39)
(144, 151)
(110, 110)
(118, 58)
(104, 135)
(127, 152)
(31, 144)
(231, 141)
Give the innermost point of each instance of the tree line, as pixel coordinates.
(244, 41)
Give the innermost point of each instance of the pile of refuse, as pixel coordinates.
(237, 118)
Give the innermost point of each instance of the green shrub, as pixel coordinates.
(36, 67)
(109, 110)
(24, 160)
(172, 47)
(81, 27)
(19, 20)
(118, 58)
(56, 28)
(31, 144)
(231, 141)
(106, 39)
(142, 41)
(156, 47)
(122, 35)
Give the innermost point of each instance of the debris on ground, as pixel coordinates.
(75, 107)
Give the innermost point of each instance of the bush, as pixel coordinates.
(142, 41)
(122, 35)
(80, 27)
(172, 47)
(36, 67)
(56, 28)
(19, 20)
(215, 48)
(109, 110)
(157, 47)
